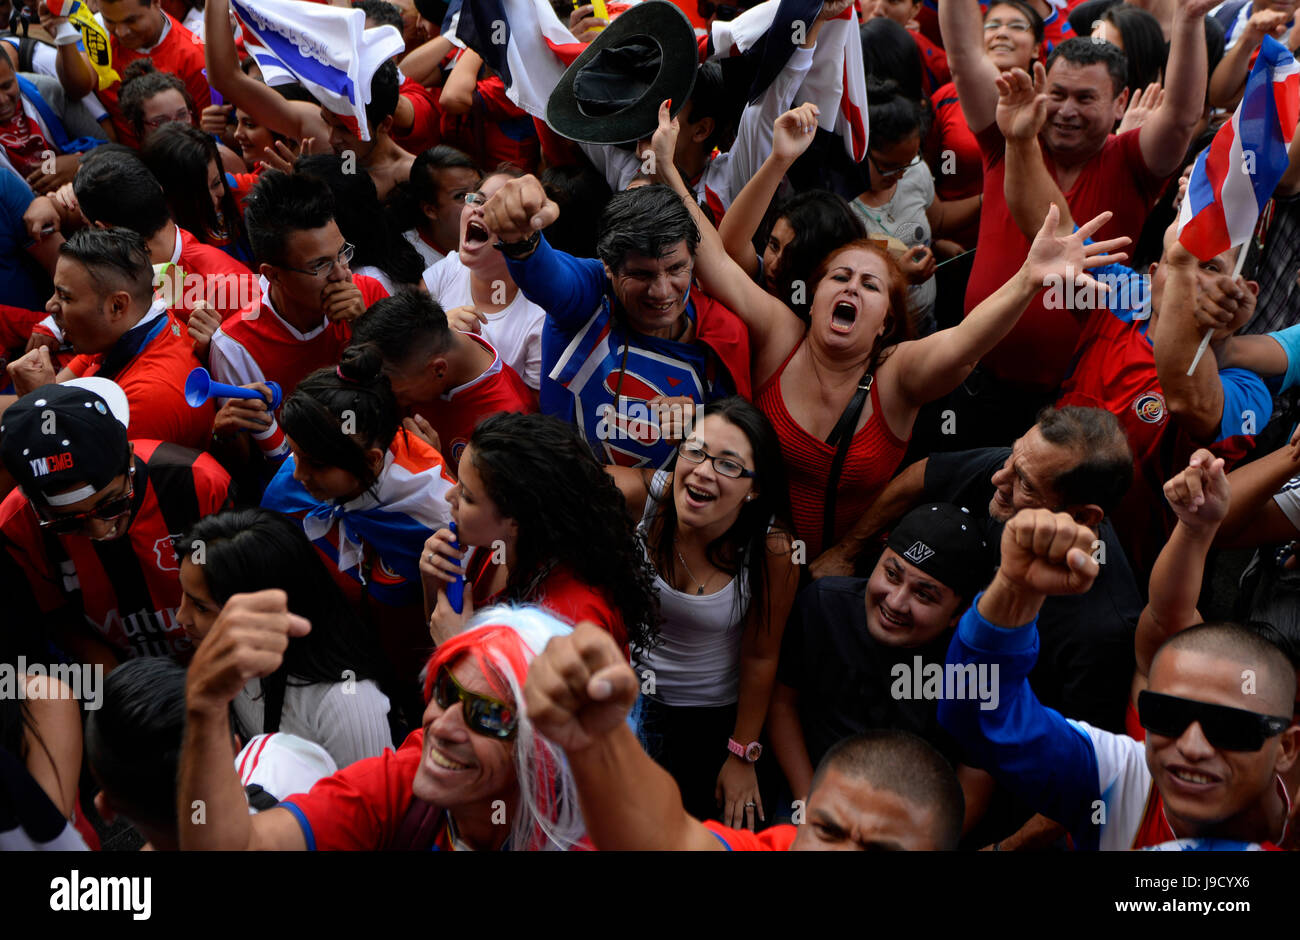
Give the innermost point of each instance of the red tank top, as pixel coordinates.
(874, 454)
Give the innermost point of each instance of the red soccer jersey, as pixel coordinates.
(154, 382)
(260, 345)
(127, 588)
(207, 273)
(772, 839)
(934, 63)
(425, 131)
(955, 157)
(179, 52)
(1037, 350)
(456, 413)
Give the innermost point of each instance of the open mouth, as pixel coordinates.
(476, 235)
(893, 620)
(1193, 778)
(698, 497)
(1002, 47)
(439, 759)
(843, 316)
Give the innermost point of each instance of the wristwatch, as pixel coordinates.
(748, 752)
(519, 250)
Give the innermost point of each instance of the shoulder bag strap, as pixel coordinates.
(840, 438)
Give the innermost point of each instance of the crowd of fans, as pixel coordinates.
(711, 490)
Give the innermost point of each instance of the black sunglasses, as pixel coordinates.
(483, 715)
(1228, 729)
(107, 510)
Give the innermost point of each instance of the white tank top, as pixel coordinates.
(697, 662)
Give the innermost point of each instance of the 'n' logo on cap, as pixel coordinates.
(918, 553)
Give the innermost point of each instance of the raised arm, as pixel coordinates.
(458, 90)
(791, 136)
(962, 26)
(248, 640)
(1029, 188)
(1199, 497)
(923, 370)
(773, 328)
(1255, 518)
(263, 103)
(424, 63)
(1166, 134)
(71, 64)
(578, 694)
(1196, 400)
(1229, 78)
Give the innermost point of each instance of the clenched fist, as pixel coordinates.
(1045, 552)
(518, 209)
(580, 688)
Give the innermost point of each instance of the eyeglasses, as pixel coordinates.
(1228, 729)
(1016, 26)
(107, 510)
(483, 715)
(894, 170)
(182, 116)
(324, 267)
(727, 466)
(470, 199)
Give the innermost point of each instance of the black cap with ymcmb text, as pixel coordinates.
(63, 443)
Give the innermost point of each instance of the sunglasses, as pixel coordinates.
(1227, 729)
(106, 511)
(484, 715)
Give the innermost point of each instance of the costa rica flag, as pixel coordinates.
(1235, 176)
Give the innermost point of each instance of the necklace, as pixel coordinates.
(689, 573)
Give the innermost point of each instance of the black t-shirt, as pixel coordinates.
(845, 679)
(1085, 660)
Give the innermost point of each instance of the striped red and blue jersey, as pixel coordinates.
(128, 588)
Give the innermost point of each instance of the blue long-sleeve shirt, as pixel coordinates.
(588, 356)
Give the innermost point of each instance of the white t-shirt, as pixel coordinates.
(515, 332)
(430, 254)
(348, 719)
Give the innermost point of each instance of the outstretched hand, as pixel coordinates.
(658, 152)
(1022, 103)
(1056, 259)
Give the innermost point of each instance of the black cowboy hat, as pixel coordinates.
(612, 92)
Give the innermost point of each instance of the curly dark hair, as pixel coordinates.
(539, 471)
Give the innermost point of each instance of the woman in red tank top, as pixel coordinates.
(808, 374)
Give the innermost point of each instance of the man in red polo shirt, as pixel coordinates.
(884, 790)
(309, 298)
(93, 524)
(105, 306)
(137, 28)
(1096, 170)
(451, 379)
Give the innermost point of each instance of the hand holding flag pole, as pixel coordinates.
(1235, 176)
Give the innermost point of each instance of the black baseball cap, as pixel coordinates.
(946, 543)
(66, 442)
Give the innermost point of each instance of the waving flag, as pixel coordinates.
(327, 49)
(837, 81)
(94, 38)
(1235, 176)
(523, 41)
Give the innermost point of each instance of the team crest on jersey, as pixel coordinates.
(1150, 407)
(383, 574)
(457, 448)
(165, 551)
